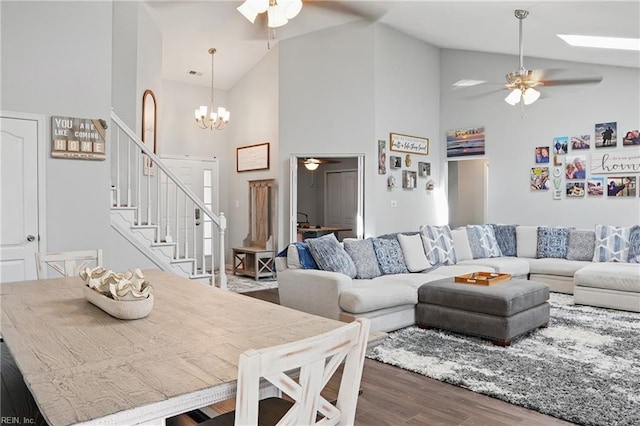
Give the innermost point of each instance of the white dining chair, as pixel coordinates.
(316, 359)
(68, 264)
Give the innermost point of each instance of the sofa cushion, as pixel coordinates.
(618, 276)
(363, 256)
(483, 241)
(527, 241)
(552, 242)
(376, 295)
(634, 244)
(558, 267)
(389, 255)
(612, 244)
(299, 257)
(439, 245)
(506, 238)
(330, 255)
(505, 265)
(413, 252)
(581, 244)
(461, 243)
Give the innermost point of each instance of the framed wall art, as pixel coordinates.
(395, 162)
(464, 142)
(407, 143)
(252, 157)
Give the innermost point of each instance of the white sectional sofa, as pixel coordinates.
(389, 299)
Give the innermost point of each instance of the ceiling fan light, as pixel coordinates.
(514, 97)
(293, 8)
(248, 11)
(276, 16)
(309, 165)
(530, 95)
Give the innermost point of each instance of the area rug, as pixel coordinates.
(242, 284)
(583, 368)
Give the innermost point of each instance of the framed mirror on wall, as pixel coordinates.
(149, 128)
(326, 196)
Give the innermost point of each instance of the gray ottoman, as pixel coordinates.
(500, 312)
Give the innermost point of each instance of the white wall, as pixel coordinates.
(56, 60)
(254, 119)
(407, 84)
(511, 136)
(125, 61)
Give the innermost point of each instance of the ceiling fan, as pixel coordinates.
(522, 83)
(312, 163)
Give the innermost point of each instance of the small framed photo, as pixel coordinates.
(424, 169)
(580, 142)
(395, 162)
(606, 135)
(575, 189)
(542, 154)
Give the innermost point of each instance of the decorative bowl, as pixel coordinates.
(122, 309)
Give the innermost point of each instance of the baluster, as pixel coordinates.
(138, 196)
(149, 193)
(128, 172)
(158, 204)
(177, 221)
(203, 242)
(222, 272)
(167, 223)
(186, 234)
(195, 238)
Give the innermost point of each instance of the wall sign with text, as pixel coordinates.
(627, 161)
(406, 143)
(77, 138)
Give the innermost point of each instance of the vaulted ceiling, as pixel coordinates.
(190, 28)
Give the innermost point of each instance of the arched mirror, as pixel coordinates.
(326, 196)
(149, 127)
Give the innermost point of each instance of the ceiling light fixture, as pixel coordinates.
(214, 120)
(601, 42)
(278, 11)
(520, 81)
(311, 164)
(527, 95)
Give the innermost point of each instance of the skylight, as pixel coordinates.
(601, 42)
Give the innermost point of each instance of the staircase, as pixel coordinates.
(160, 216)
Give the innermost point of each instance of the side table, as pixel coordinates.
(255, 262)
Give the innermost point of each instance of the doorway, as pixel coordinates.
(22, 158)
(330, 195)
(467, 192)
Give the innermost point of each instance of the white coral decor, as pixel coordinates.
(117, 285)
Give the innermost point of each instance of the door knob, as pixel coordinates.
(31, 238)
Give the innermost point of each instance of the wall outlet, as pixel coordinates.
(394, 203)
(237, 204)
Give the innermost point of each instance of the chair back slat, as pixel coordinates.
(67, 264)
(316, 359)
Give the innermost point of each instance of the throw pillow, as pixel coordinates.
(461, 243)
(413, 252)
(552, 242)
(506, 238)
(363, 256)
(439, 245)
(483, 241)
(612, 244)
(299, 257)
(527, 241)
(582, 244)
(330, 255)
(389, 255)
(634, 245)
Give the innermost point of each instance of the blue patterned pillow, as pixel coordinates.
(363, 256)
(634, 245)
(506, 238)
(389, 255)
(299, 257)
(330, 255)
(612, 244)
(483, 241)
(552, 242)
(438, 244)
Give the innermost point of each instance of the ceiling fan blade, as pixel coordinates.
(571, 81)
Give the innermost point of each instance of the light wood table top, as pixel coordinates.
(82, 365)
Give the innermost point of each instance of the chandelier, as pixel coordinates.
(278, 11)
(214, 120)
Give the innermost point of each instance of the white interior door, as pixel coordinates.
(200, 175)
(341, 201)
(19, 199)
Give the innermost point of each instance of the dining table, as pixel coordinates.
(84, 366)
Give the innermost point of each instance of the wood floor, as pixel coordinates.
(390, 396)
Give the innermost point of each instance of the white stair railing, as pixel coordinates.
(160, 199)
